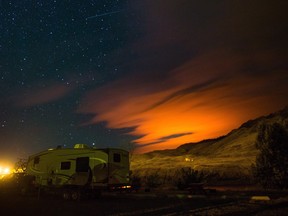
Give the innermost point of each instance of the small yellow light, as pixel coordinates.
(187, 159)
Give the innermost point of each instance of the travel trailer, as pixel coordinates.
(80, 169)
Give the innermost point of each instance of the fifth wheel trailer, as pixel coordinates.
(73, 171)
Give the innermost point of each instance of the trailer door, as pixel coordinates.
(82, 164)
(118, 170)
(83, 174)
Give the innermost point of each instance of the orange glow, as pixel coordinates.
(204, 98)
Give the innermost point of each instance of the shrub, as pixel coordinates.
(135, 181)
(20, 165)
(187, 176)
(153, 180)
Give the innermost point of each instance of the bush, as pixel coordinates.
(135, 181)
(21, 165)
(271, 168)
(153, 180)
(187, 176)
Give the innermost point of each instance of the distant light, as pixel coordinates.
(188, 159)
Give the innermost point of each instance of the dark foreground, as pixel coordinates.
(149, 203)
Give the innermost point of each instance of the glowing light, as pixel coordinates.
(4, 171)
(188, 159)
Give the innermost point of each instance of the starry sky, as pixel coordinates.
(136, 74)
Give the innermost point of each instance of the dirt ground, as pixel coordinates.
(147, 203)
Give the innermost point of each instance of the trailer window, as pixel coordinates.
(36, 160)
(82, 164)
(65, 165)
(116, 157)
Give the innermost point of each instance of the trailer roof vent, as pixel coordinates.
(81, 146)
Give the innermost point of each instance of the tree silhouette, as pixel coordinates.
(20, 165)
(271, 169)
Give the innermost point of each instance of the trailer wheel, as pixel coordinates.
(66, 195)
(75, 195)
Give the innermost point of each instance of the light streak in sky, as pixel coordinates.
(103, 14)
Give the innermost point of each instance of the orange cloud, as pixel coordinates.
(205, 98)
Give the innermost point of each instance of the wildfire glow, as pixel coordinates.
(205, 98)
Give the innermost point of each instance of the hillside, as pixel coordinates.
(230, 155)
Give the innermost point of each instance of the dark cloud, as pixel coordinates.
(166, 138)
(175, 136)
(43, 95)
(185, 91)
(197, 26)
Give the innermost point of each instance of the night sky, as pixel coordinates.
(138, 74)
